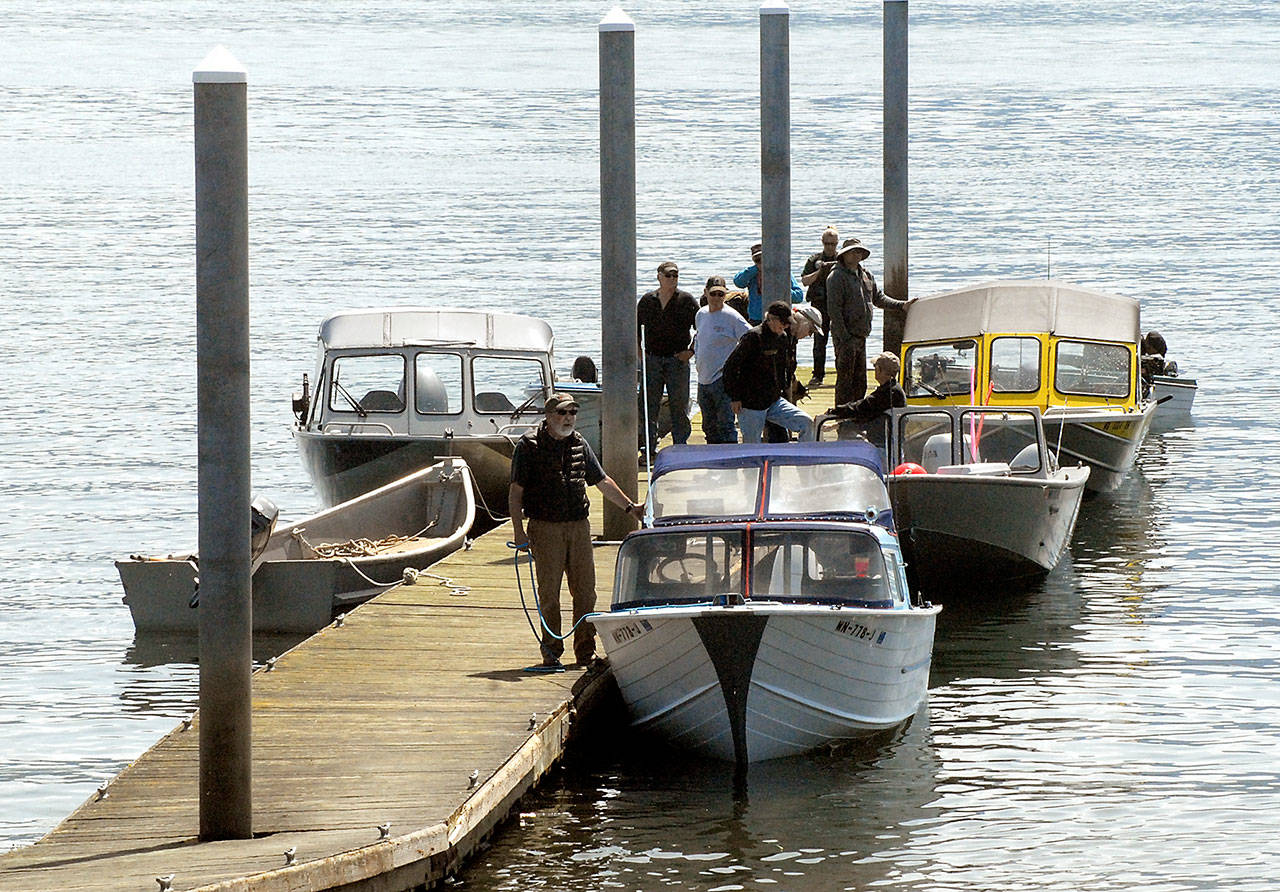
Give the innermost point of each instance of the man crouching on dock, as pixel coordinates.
(550, 472)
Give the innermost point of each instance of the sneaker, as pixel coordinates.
(815, 381)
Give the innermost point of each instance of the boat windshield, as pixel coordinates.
(1010, 437)
(1092, 369)
(707, 492)
(941, 369)
(826, 566)
(365, 384)
(502, 383)
(824, 489)
(678, 567)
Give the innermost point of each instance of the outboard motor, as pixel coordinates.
(262, 522)
(263, 514)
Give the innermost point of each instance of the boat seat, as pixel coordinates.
(381, 401)
(493, 401)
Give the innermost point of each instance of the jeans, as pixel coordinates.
(717, 413)
(781, 412)
(820, 345)
(851, 370)
(672, 373)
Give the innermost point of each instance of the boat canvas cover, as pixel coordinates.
(419, 326)
(1062, 310)
(676, 458)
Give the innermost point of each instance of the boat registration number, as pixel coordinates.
(631, 631)
(861, 632)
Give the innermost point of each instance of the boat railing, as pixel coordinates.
(349, 427)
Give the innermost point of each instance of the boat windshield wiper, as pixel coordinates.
(525, 406)
(360, 410)
(932, 390)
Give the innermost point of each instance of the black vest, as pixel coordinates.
(557, 483)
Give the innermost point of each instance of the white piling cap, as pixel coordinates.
(617, 20)
(220, 67)
(775, 7)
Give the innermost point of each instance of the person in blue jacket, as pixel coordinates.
(749, 279)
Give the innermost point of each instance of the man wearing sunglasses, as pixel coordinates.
(665, 317)
(550, 471)
(719, 327)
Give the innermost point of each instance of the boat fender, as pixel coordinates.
(909, 467)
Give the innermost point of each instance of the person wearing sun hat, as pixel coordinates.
(851, 293)
(550, 471)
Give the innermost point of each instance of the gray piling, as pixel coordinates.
(222, 357)
(895, 168)
(618, 262)
(775, 150)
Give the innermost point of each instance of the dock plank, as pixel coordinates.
(382, 718)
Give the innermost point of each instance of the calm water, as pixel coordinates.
(1117, 726)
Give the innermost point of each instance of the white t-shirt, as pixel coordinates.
(717, 335)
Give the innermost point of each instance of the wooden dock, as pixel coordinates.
(383, 719)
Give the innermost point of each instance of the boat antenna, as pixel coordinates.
(1048, 260)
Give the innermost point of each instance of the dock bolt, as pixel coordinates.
(290, 855)
(533, 720)
(271, 663)
(473, 778)
(384, 830)
(165, 883)
(102, 790)
(188, 722)
(339, 620)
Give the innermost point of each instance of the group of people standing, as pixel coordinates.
(746, 359)
(746, 353)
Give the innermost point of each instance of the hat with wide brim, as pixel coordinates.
(813, 315)
(853, 244)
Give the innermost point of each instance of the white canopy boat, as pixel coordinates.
(767, 613)
(1068, 351)
(979, 496)
(398, 388)
(307, 571)
(1173, 395)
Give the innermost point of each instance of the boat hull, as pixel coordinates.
(1105, 441)
(966, 529)
(297, 590)
(763, 681)
(1175, 396)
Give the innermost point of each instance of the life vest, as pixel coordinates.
(556, 484)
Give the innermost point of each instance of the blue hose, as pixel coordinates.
(533, 587)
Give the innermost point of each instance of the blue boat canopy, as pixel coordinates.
(676, 458)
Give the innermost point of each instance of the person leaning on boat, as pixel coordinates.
(757, 373)
(851, 293)
(887, 395)
(550, 471)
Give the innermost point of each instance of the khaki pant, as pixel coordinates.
(560, 548)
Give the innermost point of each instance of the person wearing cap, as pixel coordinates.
(665, 317)
(814, 278)
(887, 395)
(757, 373)
(749, 279)
(550, 471)
(851, 293)
(718, 328)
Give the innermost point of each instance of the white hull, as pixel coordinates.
(1104, 440)
(1174, 396)
(296, 590)
(984, 527)
(765, 680)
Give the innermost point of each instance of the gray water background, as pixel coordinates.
(1117, 726)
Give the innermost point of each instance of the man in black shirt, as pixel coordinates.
(665, 317)
(814, 277)
(550, 472)
(888, 395)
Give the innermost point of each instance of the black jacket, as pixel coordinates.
(759, 368)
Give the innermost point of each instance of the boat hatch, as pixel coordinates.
(830, 565)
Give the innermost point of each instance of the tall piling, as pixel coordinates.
(618, 262)
(775, 150)
(895, 168)
(222, 358)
